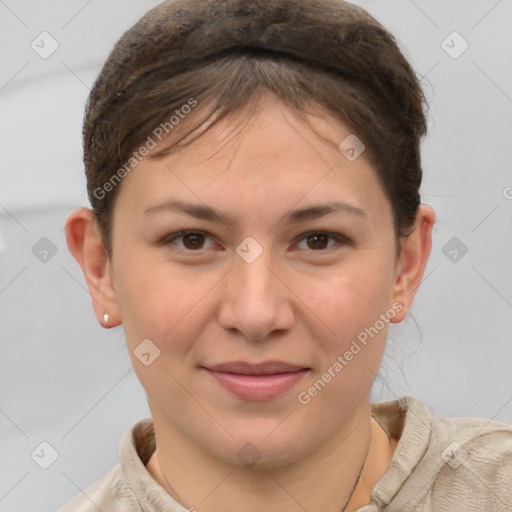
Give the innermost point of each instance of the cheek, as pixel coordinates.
(351, 304)
(163, 304)
(348, 299)
(171, 309)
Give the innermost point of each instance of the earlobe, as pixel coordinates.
(415, 250)
(84, 243)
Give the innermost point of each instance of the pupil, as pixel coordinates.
(193, 241)
(318, 241)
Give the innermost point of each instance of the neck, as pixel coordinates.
(321, 481)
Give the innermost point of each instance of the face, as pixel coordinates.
(261, 266)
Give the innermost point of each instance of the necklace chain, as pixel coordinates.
(165, 478)
(359, 474)
(346, 502)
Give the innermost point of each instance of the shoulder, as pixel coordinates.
(476, 463)
(457, 464)
(128, 483)
(110, 492)
(450, 463)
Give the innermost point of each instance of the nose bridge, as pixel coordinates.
(253, 271)
(256, 302)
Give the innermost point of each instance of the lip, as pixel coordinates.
(257, 381)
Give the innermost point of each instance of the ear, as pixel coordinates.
(415, 250)
(84, 242)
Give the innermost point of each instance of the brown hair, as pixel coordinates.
(222, 54)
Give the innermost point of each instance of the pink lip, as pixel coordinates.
(263, 381)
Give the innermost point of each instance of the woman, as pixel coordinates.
(254, 173)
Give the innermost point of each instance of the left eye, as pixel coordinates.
(319, 241)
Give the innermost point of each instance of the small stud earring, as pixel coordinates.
(105, 318)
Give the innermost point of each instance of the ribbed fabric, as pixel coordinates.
(440, 464)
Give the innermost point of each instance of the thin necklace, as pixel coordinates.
(165, 478)
(358, 475)
(346, 502)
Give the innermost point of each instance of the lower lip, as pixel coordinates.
(258, 387)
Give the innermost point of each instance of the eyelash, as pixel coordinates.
(169, 239)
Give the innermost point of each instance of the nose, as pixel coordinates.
(256, 300)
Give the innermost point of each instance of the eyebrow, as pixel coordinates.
(204, 212)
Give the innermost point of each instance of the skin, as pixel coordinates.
(294, 303)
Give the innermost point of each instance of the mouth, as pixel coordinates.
(257, 382)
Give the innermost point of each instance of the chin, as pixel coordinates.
(256, 448)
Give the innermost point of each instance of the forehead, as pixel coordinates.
(270, 158)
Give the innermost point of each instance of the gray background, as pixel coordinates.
(67, 381)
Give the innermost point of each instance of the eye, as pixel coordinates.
(318, 241)
(189, 240)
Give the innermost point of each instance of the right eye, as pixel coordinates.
(188, 241)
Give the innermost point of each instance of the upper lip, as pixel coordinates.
(266, 368)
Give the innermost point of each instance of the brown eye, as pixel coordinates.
(188, 241)
(193, 241)
(320, 240)
(317, 241)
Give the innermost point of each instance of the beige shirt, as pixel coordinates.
(440, 464)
